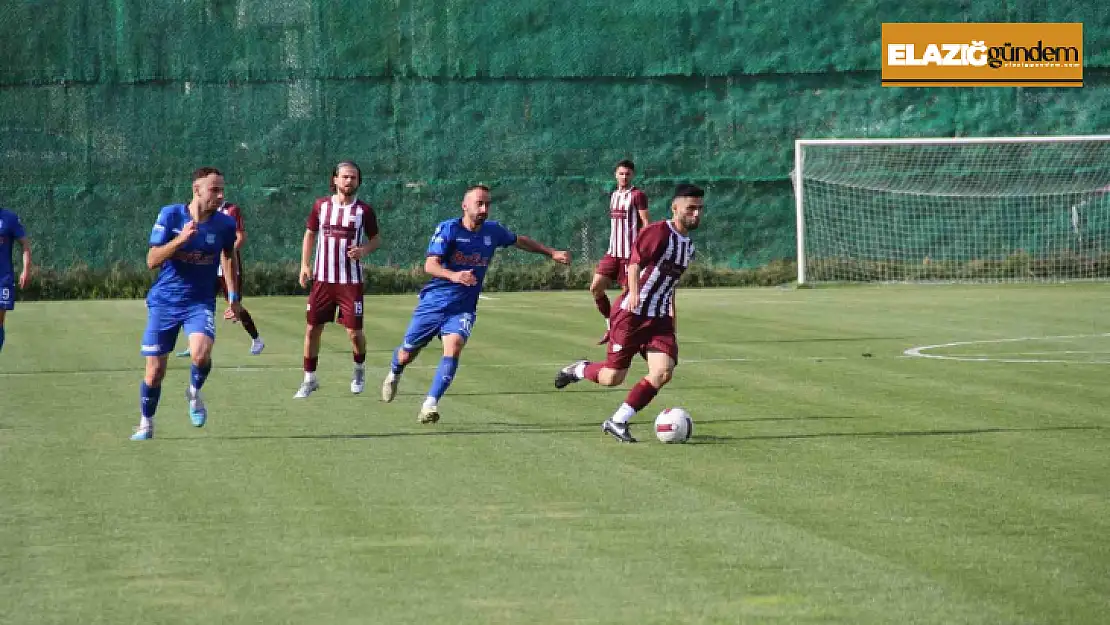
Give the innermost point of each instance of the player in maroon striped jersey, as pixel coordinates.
(628, 214)
(343, 230)
(644, 322)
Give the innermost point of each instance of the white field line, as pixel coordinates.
(924, 351)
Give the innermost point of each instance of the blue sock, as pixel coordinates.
(148, 399)
(1, 338)
(197, 375)
(394, 366)
(444, 374)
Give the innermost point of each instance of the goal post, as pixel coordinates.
(974, 209)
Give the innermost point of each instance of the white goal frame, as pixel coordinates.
(798, 175)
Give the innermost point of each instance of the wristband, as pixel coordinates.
(233, 297)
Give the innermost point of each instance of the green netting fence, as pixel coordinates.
(106, 106)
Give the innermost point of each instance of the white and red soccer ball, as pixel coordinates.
(674, 425)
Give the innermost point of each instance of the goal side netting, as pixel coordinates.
(964, 210)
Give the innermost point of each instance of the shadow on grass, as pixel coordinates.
(718, 440)
(643, 431)
(819, 339)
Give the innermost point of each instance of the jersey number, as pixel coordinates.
(5, 294)
(465, 322)
(358, 309)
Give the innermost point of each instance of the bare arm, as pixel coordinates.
(373, 244)
(307, 245)
(433, 266)
(231, 281)
(531, 245)
(159, 254)
(633, 285)
(645, 218)
(230, 264)
(359, 251)
(25, 275)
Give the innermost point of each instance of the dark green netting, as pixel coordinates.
(106, 106)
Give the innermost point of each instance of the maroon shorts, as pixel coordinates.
(631, 334)
(326, 299)
(614, 268)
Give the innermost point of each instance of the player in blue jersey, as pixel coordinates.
(10, 232)
(457, 259)
(187, 244)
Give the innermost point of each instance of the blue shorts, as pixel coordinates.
(428, 324)
(164, 322)
(7, 297)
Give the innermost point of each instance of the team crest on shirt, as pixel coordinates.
(211, 238)
(489, 241)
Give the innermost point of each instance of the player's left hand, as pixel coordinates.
(229, 315)
(235, 308)
(24, 279)
(358, 251)
(561, 257)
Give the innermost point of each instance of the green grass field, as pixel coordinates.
(822, 485)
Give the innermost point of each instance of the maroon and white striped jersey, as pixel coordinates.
(662, 255)
(624, 217)
(339, 228)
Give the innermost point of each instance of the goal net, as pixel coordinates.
(960, 209)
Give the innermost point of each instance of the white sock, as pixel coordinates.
(145, 423)
(623, 414)
(580, 370)
(392, 376)
(430, 402)
(310, 376)
(360, 366)
(192, 392)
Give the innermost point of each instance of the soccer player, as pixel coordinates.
(343, 230)
(11, 230)
(644, 321)
(457, 259)
(628, 214)
(186, 245)
(225, 285)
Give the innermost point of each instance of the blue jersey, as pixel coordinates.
(10, 231)
(460, 249)
(189, 276)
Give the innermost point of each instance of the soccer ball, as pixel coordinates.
(674, 425)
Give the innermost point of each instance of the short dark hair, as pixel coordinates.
(476, 186)
(685, 189)
(204, 172)
(625, 163)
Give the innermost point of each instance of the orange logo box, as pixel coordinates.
(982, 55)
